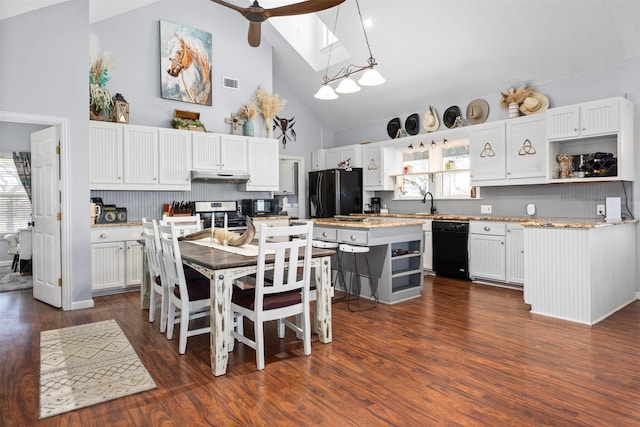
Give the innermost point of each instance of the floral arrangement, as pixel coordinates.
(515, 95)
(269, 106)
(100, 98)
(249, 111)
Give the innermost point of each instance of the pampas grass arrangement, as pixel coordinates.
(516, 95)
(269, 106)
(249, 111)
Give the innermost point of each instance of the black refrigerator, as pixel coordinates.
(335, 192)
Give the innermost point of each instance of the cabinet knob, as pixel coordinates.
(487, 228)
(502, 243)
(104, 235)
(575, 129)
(353, 237)
(583, 129)
(324, 234)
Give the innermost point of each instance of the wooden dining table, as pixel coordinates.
(224, 268)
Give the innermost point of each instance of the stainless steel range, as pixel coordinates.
(215, 211)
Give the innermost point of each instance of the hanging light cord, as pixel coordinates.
(333, 41)
(371, 59)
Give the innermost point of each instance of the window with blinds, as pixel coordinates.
(15, 207)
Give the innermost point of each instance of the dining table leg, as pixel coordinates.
(323, 300)
(221, 287)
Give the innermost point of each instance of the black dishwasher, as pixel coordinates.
(450, 250)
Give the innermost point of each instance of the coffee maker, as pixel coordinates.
(375, 204)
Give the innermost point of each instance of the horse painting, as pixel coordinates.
(187, 67)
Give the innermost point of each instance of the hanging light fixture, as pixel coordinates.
(370, 77)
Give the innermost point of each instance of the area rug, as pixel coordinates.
(13, 281)
(88, 364)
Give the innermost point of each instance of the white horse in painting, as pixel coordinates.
(189, 63)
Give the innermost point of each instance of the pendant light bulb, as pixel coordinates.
(326, 93)
(371, 77)
(347, 85)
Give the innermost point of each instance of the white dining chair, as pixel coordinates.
(158, 283)
(188, 299)
(184, 224)
(286, 294)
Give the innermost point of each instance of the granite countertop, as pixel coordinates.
(120, 224)
(367, 223)
(525, 221)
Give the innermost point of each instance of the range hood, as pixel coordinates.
(213, 176)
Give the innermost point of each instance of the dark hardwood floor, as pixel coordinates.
(462, 354)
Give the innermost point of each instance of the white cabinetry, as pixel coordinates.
(487, 151)
(318, 159)
(226, 153)
(174, 155)
(263, 170)
(140, 155)
(526, 150)
(106, 155)
(339, 154)
(487, 250)
(378, 167)
(515, 253)
(604, 126)
(288, 177)
(583, 120)
(116, 257)
(128, 157)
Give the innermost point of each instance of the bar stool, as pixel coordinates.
(335, 266)
(355, 250)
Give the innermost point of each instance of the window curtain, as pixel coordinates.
(22, 161)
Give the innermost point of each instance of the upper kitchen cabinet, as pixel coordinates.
(288, 177)
(318, 159)
(352, 153)
(264, 173)
(128, 157)
(600, 133)
(487, 151)
(174, 154)
(583, 120)
(526, 150)
(227, 153)
(106, 155)
(380, 163)
(140, 155)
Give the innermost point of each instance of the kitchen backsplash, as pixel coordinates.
(551, 200)
(148, 204)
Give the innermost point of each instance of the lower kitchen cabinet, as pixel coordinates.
(515, 253)
(116, 258)
(487, 253)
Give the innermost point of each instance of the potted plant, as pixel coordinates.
(100, 98)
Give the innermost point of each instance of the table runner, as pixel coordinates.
(245, 250)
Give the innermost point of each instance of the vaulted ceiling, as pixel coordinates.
(442, 51)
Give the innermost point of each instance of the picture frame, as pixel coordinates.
(185, 63)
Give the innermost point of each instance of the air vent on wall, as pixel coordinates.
(230, 83)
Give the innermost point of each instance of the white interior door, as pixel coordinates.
(45, 191)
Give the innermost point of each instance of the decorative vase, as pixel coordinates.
(513, 110)
(248, 127)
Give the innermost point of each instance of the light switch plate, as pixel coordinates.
(485, 209)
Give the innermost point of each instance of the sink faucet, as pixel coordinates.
(424, 200)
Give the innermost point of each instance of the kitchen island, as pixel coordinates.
(395, 254)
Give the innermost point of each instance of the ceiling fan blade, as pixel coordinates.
(242, 10)
(254, 33)
(301, 8)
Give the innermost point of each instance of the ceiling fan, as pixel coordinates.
(256, 14)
